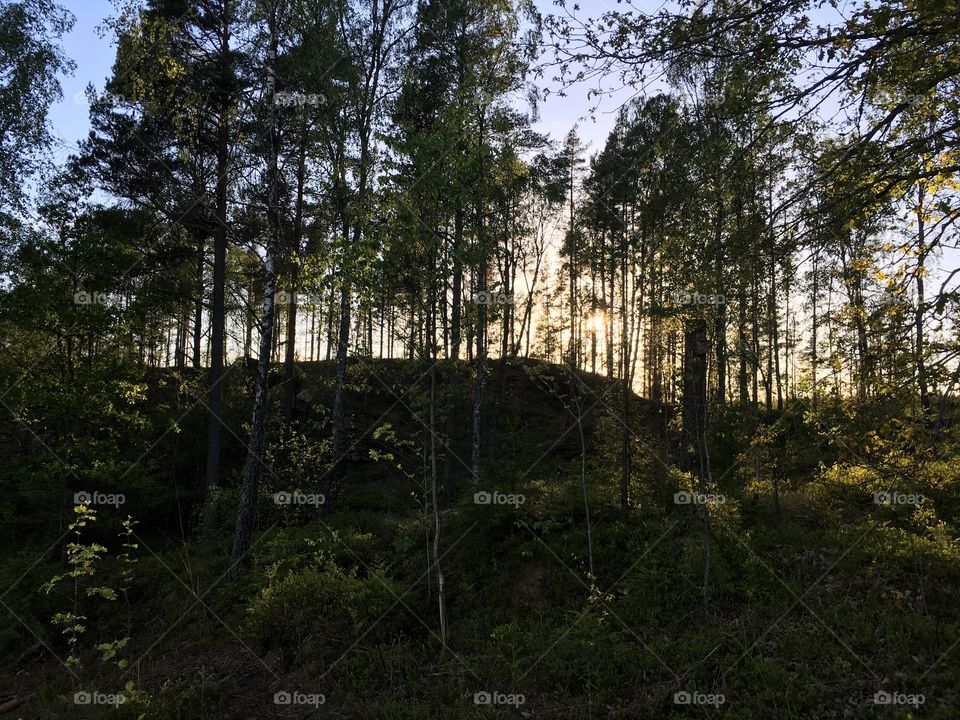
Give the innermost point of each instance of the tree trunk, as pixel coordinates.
(218, 311)
(720, 325)
(289, 387)
(198, 309)
(694, 401)
(624, 379)
(338, 417)
(695, 427)
(441, 580)
(481, 318)
(246, 511)
(921, 367)
(455, 339)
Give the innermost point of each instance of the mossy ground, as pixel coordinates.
(810, 611)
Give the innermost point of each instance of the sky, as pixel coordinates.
(94, 56)
(93, 53)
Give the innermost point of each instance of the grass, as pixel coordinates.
(808, 617)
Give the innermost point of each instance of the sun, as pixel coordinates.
(597, 322)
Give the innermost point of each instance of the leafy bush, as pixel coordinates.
(315, 613)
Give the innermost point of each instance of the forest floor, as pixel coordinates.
(818, 603)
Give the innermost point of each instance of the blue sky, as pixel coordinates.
(94, 57)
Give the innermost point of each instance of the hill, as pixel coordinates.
(558, 601)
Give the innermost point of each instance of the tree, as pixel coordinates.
(371, 37)
(30, 61)
(275, 12)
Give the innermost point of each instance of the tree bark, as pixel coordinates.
(246, 511)
(921, 368)
(218, 310)
(289, 370)
(475, 452)
(694, 401)
(455, 340)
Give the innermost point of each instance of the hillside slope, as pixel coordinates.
(559, 602)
